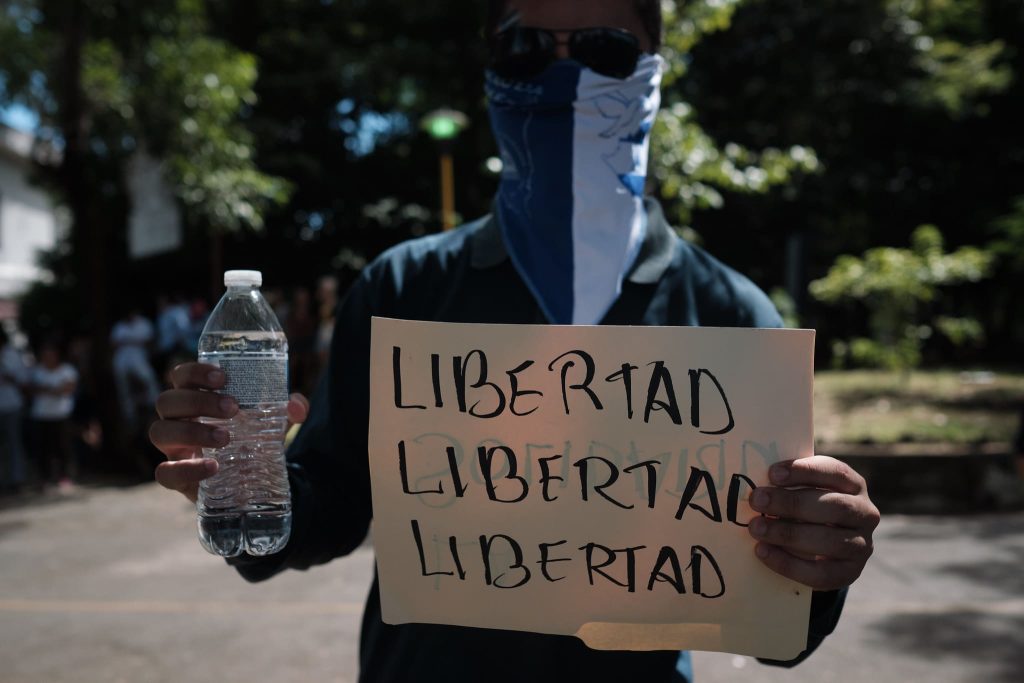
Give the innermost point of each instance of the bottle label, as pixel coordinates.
(253, 380)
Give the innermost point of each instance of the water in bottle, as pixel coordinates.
(246, 506)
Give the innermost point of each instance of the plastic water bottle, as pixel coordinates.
(246, 506)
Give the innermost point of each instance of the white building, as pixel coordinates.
(28, 220)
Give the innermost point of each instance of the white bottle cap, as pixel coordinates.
(243, 278)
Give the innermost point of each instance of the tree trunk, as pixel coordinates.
(90, 233)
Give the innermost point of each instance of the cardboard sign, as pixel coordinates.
(586, 480)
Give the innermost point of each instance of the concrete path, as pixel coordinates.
(109, 584)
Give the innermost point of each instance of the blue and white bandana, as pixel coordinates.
(574, 146)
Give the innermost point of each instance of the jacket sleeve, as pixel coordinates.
(327, 463)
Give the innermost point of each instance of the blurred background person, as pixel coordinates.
(134, 378)
(87, 428)
(279, 303)
(301, 329)
(53, 383)
(14, 377)
(172, 331)
(327, 301)
(198, 312)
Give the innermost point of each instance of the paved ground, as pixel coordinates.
(110, 585)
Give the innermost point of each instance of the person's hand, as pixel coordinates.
(817, 522)
(181, 437)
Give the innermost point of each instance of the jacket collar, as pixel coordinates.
(488, 248)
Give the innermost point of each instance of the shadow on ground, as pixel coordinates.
(10, 527)
(991, 639)
(1003, 569)
(995, 643)
(33, 497)
(1005, 575)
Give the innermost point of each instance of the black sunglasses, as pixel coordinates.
(523, 51)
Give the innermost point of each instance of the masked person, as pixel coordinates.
(573, 90)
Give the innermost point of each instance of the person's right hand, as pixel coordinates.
(181, 437)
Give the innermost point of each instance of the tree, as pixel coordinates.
(341, 90)
(691, 168)
(342, 87)
(109, 79)
(912, 108)
(900, 289)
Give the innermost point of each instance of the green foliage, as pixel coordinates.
(786, 307)
(153, 79)
(21, 54)
(960, 75)
(342, 89)
(896, 286)
(842, 122)
(960, 331)
(958, 66)
(903, 354)
(206, 84)
(692, 170)
(913, 110)
(686, 24)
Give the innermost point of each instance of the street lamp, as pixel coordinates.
(444, 125)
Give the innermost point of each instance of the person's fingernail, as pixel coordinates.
(221, 436)
(215, 377)
(779, 473)
(761, 550)
(228, 406)
(758, 526)
(761, 499)
(210, 465)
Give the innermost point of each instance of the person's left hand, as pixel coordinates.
(816, 522)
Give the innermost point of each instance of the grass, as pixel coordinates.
(935, 406)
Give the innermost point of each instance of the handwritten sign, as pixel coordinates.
(586, 480)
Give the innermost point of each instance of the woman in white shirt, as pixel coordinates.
(53, 388)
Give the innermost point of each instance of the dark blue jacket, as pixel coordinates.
(465, 276)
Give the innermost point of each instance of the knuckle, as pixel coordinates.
(790, 503)
(847, 508)
(850, 547)
(783, 532)
(154, 432)
(165, 402)
(873, 517)
(179, 375)
(863, 513)
(209, 438)
(833, 544)
(164, 475)
(206, 403)
(854, 478)
(843, 471)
